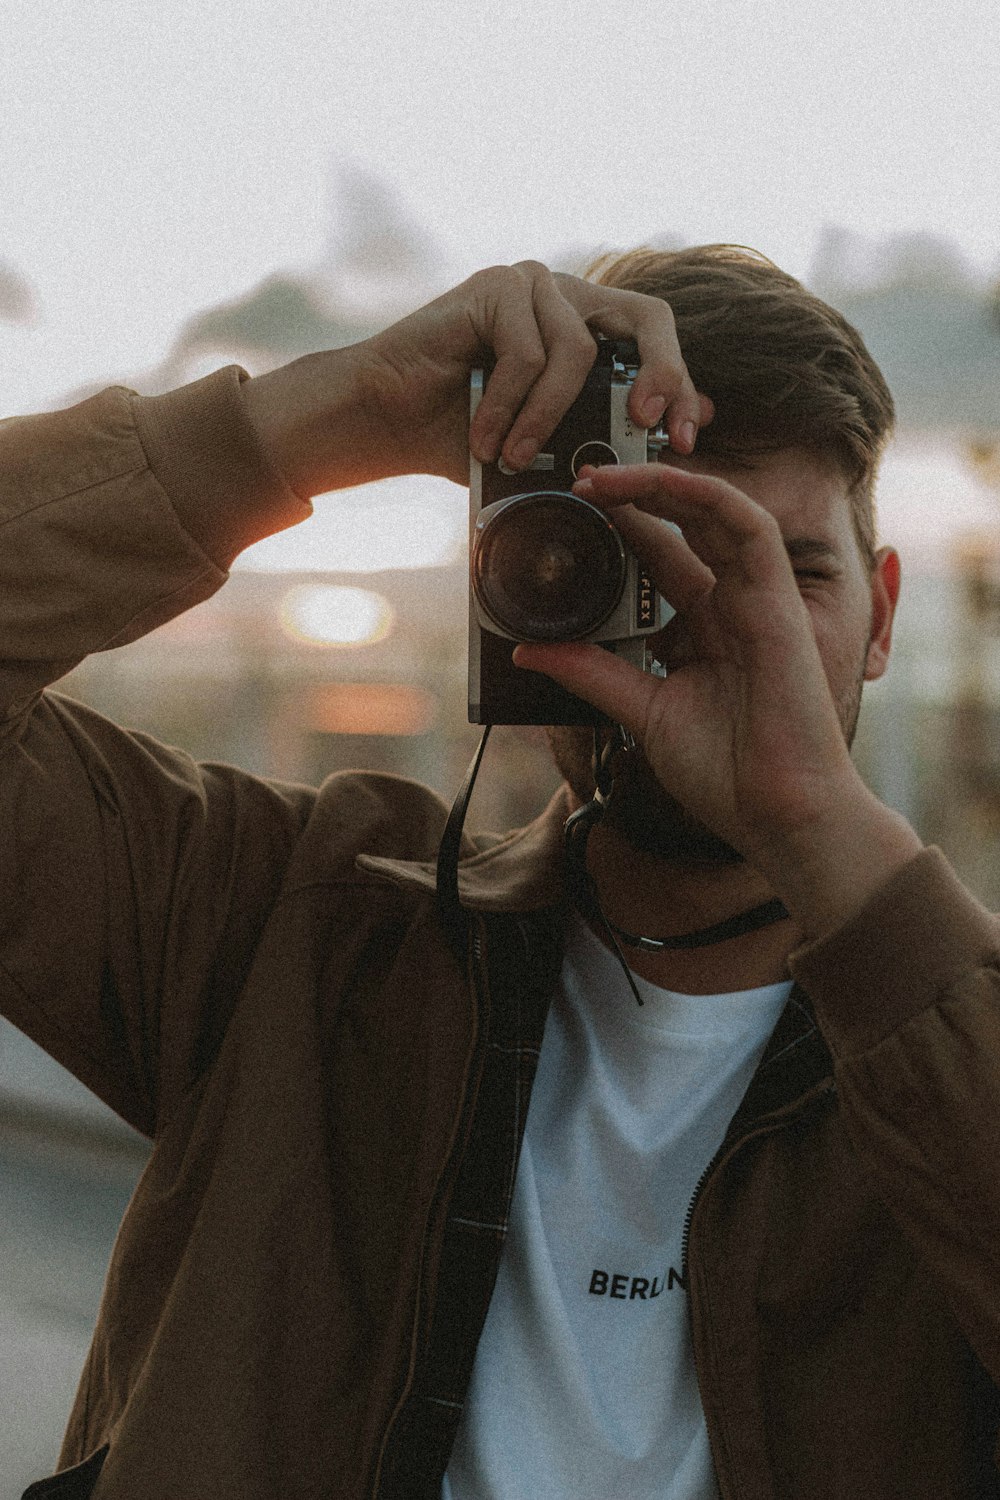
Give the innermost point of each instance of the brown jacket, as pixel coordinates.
(254, 975)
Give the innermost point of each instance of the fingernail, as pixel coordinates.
(688, 434)
(523, 453)
(653, 409)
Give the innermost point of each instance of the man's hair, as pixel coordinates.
(783, 368)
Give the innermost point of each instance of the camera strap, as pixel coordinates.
(450, 910)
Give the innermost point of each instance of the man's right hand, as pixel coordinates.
(399, 402)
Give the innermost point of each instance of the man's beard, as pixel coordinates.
(639, 808)
(644, 812)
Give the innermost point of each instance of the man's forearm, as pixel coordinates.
(318, 419)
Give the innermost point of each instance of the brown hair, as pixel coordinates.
(783, 368)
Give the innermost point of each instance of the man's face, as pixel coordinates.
(850, 610)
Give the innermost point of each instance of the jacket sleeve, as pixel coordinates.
(133, 882)
(908, 998)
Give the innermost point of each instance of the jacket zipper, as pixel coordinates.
(726, 1152)
(686, 1231)
(775, 1121)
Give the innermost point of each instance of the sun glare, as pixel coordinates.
(333, 615)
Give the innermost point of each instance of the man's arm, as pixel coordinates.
(134, 883)
(907, 991)
(125, 869)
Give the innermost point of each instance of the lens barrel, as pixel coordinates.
(547, 566)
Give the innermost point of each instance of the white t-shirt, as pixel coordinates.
(584, 1386)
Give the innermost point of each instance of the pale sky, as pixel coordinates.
(161, 155)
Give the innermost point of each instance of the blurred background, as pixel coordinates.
(186, 185)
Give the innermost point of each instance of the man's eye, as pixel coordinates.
(812, 574)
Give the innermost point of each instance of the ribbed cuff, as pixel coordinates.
(915, 939)
(203, 449)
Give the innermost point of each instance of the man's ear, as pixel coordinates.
(885, 595)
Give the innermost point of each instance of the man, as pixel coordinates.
(747, 1243)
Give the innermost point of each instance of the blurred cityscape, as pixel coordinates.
(344, 643)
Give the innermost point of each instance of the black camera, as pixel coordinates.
(546, 565)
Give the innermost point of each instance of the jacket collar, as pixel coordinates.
(519, 872)
(796, 1063)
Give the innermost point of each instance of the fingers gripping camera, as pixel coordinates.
(545, 565)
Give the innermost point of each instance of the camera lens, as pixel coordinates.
(548, 567)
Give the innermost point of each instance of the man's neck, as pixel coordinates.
(655, 898)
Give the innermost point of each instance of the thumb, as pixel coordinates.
(618, 689)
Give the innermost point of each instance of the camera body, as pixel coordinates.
(545, 565)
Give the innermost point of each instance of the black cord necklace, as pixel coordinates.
(583, 890)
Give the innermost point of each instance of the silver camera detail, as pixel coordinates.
(546, 565)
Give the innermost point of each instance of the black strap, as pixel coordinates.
(450, 911)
